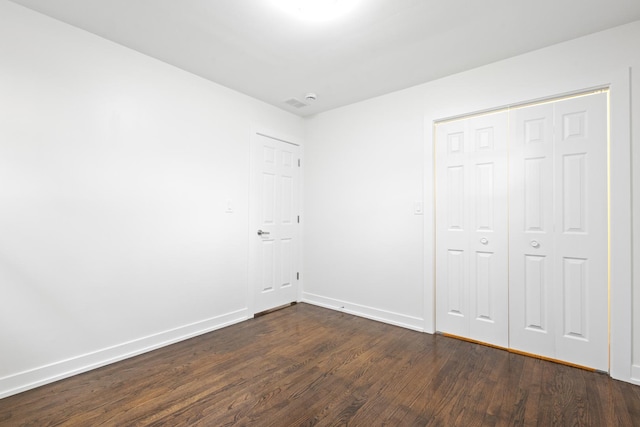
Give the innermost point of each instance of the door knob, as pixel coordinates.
(484, 241)
(535, 244)
(262, 233)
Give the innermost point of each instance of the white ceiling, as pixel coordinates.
(379, 47)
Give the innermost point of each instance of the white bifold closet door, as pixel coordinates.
(471, 228)
(558, 267)
(522, 251)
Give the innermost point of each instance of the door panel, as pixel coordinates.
(276, 250)
(484, 309)
(484, 197)
(471, 239)
(456, 196)
(488, 284)
(267, 262)
(456, 302)
(534, 194)
(573, 191)
(531, 241)
(286, 249)
(535, 293)
(574, 286)
(451, 234)
(582, 240)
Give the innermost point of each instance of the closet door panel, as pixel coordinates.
(488, 278)
(531, 285)
(536, 290)
(452, 226)
(581, 262)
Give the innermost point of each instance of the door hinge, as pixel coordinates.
(298, 219)
(298, 162)
(297, 276)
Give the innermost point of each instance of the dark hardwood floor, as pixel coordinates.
(304, 366)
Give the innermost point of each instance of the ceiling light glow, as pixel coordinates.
(317, 10)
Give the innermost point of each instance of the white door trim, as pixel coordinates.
(257, 130)
(621, 365)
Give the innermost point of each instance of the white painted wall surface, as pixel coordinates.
(362, 242)
(115, 171)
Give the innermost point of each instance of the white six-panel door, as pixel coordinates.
(471, 233)
(559, 230)
(275, 237)
(522, 256)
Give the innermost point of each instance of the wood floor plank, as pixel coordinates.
(308, 366)
(524, 396)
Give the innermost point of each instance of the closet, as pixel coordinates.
(522, 229)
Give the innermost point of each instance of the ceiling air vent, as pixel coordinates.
(295, 103)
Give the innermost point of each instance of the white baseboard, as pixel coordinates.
(397, 319)
(22, 381)
(635, 375)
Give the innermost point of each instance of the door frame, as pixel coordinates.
(620, 228)
(252, 282)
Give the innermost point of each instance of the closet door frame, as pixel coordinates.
(620, 228)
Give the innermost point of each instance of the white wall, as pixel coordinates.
(363, 245)
(363, 242)
(115, 171)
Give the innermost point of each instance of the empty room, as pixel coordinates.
(313, 212)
